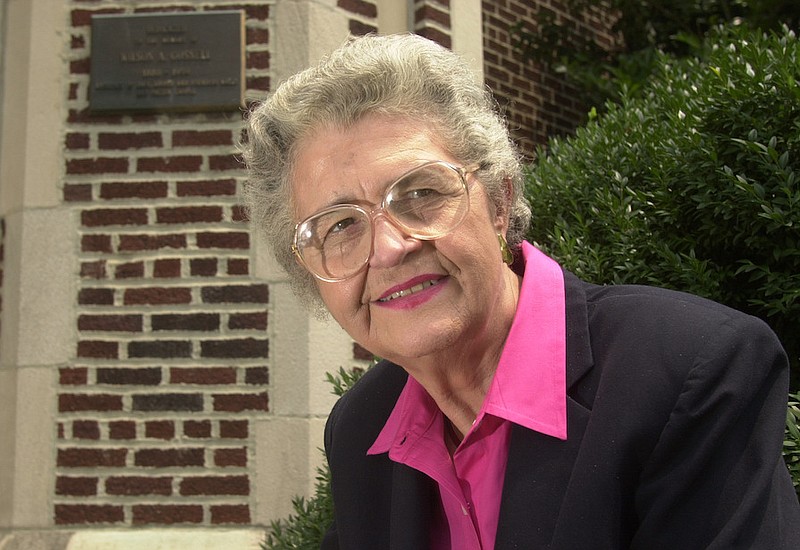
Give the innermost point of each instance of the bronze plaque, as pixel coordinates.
(167, 62)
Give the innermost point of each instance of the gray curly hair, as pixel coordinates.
(398, 75)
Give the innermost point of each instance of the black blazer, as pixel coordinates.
(676, 411)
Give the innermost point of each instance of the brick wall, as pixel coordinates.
(362, 16)
(432, 20)
(538, 103)
(171, 360)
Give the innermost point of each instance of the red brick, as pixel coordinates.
(248, 321)
(80, 514)
(230, 514)
(236, 348)
(91, 458)
(166, 514)
(197, 428)
(236, 294)
(114, 216)
(101, 165)
(233, 429)
(189, 214)
(77, 140)
(191, 138)
(77, 192)
(167, 268)
(85, 429)
(129, 140)
(122, 429)
(238, 266)
(96, 297)
(239, 214)
(170, 164)
(110, 323)
(135, 243)
(134, 190)
(73, 376)
(169, 458)
(159, 429)
(206, 188)
(157, 296)
(241, 402)
(80, 66)
(96, 243)
(225, 162)
(258, 60)
(259, 12)
(257, 376)
(76, 486)
(215, 485)
(138, 485)
(75, 402)
(257, 36)
(227, 458)
(98, 349)
(258, 83)
(359, 7)
(202, 375)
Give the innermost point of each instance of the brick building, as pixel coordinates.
(155, 370)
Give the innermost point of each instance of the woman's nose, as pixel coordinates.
(390, 244)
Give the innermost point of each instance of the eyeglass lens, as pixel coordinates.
(426, 203)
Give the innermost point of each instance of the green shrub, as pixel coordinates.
(692, 185)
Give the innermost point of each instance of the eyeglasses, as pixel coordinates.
(426, 203)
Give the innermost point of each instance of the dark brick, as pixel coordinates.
(219, 163)
(157, 296)
(239, 348)
(91, 458)
(256, 376)
(77, 192)
(359, 7)
(96, 243)
(76, 402)
(203, 267)
(122, 429)
(197, 428)
(97, 166)
(130, 270)
(169, 268)
(150, 376)
(138, 485)
(85, 429)
(170, 164)
(170, 458)
(238, 266)
(76, 486)
(96, 297)
(192, 138)
(110, 323)
(93, 270)
(135, 243)
(207, 188)
(129, 140)
(189, 214)
(168, 402)
(227, 240)
(134, 190)
(233, 429)
(73, 376)
(81, 514)
(188, 321)
(114, 216)
(159, 429)
(236, 294)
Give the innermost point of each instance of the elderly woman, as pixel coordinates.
(515, 406)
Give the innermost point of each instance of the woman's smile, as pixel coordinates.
(413, 292)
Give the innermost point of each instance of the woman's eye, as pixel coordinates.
(341, 225)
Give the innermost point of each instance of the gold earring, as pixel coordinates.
(505, 251)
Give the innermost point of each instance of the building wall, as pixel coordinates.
(155, 369)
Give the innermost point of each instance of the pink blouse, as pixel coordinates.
(528, 388)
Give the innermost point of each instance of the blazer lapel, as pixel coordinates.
(413, 496)
(539, 466)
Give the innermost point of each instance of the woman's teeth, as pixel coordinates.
(409, 291)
